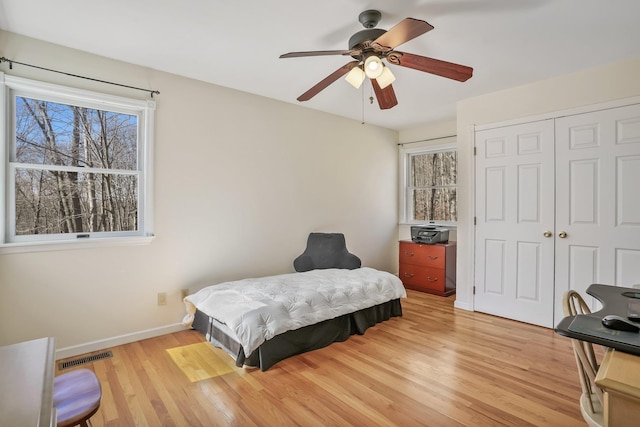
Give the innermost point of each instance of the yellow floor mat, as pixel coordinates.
(201, 361)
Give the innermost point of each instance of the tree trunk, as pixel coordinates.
(74, 181)
(47, 131)
(432, 195)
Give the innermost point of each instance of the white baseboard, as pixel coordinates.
(89, 347)
(462, 305)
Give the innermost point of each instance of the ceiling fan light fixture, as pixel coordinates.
(355, 77)
(373, 67)
(385, 78)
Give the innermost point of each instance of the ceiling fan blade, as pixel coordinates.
(446, 69)
(327, 81)
(386, 97)
(405, 30)
(315, 53)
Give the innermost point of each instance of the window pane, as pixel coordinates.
(54, 202)
(433, 169)
(434, 204)
(49, 133)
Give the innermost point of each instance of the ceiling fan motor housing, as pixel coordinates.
(364, 38)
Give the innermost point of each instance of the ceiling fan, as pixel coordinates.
(369, 46)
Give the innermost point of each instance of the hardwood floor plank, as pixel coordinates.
(434, 366)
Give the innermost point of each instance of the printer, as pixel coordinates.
(429, 234)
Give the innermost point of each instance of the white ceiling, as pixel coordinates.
(237, 44)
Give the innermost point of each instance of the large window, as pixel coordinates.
(429, 190)
(76, 164)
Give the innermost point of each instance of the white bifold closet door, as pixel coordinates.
(514, 209)
(557, 208)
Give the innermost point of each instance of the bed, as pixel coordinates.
(261, 321)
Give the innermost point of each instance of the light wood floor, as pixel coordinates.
(435, 366)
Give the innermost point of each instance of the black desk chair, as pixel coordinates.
(592, 397)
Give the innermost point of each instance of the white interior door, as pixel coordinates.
(598, 200)
(514, 245)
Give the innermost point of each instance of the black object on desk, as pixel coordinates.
(589, 327)
(632, 294)
(619, 323)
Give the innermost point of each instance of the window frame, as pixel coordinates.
(12, 87)
(405, 153)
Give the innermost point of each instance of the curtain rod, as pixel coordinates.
(427, 140)
(11, 62)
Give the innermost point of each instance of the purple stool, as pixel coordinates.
(76, 397)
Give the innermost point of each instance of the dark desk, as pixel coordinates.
(588, 327)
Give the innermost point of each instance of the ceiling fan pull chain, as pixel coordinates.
(362, 92)
(371, 96)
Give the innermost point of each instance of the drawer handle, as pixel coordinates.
(432, 279)
(433, 256)
(408, 274)
(409, 253)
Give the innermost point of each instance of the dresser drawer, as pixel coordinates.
(422, 278)
(424, 255)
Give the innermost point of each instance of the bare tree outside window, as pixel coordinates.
(76, 169)
(432, 186)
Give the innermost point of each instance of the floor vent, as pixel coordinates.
(85, 359)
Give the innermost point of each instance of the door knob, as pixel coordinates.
(547, 234)
(562, 234)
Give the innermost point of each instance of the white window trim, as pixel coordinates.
(145, 112)
(445, 144)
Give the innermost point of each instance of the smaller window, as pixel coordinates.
(429, 188)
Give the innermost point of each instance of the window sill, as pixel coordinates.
(62, 245)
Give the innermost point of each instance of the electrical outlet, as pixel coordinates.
(184, 293)
(162, 298)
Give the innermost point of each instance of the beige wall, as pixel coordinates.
(240, 181)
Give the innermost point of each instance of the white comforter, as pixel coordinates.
(258, 309)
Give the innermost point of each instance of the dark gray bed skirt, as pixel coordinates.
(301, 340)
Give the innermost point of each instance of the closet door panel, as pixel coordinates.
(628, 267)
(628, 191)
(494, 277)
(582, 270)
(583, 197)
(514, 209)
(529, 193)
(597, 200)
(528, 286)
(495, 194)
